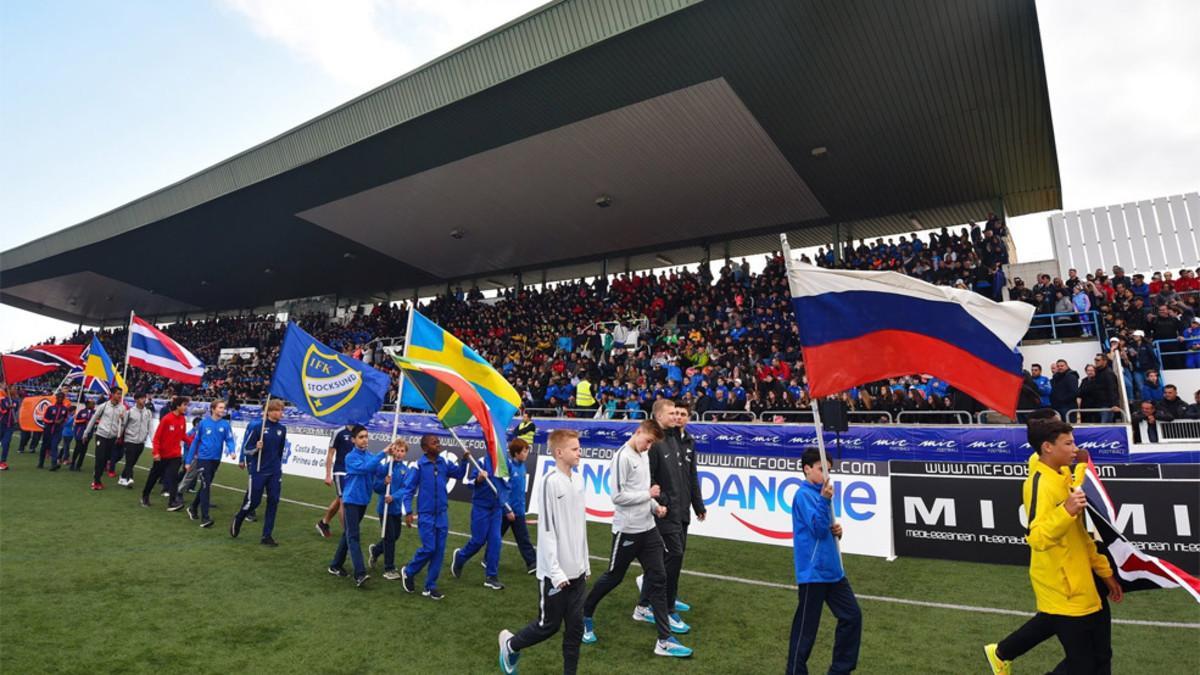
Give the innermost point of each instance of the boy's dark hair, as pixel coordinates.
(356, 430)
(810, 457)
(178, 401)
(1042, 414)
(1046, 431)
(195, 420)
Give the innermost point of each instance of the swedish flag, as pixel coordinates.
(99, 366)
(430, 343)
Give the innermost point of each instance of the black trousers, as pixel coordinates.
(391, 532)
(104, 449)
(132, 452)
(167, 470)
(521, 533)
(557, 606)
(647, 548)
(1042, 627)
(81, 445)
(846, 638)
(674, 537)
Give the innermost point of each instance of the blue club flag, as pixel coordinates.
(331, 387)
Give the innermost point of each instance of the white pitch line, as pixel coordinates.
(786, 587)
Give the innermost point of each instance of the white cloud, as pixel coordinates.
(366, 43)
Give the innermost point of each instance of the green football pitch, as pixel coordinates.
(91, 582)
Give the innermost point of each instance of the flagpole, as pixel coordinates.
(263, 434)
(818, 427)
(400, 384)
(128, 344)
(1119, 370)
(387, 492)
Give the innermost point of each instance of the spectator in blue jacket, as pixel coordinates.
(488, 508)
(262, 456)
(514, 518)
(361, 469)
(390, 509)
(427, 484)
(212, 434)
(819, 574)
(1152, 388)
(1042, 382)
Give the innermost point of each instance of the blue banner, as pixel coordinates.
(331, 387)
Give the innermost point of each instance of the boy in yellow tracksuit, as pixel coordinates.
(1063, 558)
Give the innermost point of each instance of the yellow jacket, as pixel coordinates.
(583, 394)
(1062, 554)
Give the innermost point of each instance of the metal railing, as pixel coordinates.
(1075, 415)
(986, 416)
(1073, 324)
(956, 414)
(737, 415)
(1177, 357)
(537, 412)
(806, 416)
(1179, 430)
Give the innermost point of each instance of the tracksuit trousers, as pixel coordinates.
(272, 485)
(1093, 636)
(520, 532)
(208, 473)
(557, 606)
(133, 451)
(351, 542)
(391, 532)
(104, 450)
(166, 470)
(433, 530)
(846, 638)
(647, 548)
(485, 531)
(674, 537)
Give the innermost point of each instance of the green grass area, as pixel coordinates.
(92, 582)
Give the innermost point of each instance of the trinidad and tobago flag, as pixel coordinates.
(39, 360)
(1135, 569)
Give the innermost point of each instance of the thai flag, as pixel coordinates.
(1135, 570)
(859, 327)
(150, 349)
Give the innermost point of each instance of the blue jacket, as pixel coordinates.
(400, 473)
(10, 406)
(814, 549)
(1043, 387)
(427, 484)
(485, 497)
(361, 469)
(210, 436)
(516, 486)
(274, 441)
(1152, 393)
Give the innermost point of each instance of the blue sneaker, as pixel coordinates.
(589, 635)
(677, 625)
(671, 647)
(508, 658)
(681, 606)
(645, 614)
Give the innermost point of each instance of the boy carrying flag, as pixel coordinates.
(390, 507)
(427, 483)
(262, 456)
(489, 506)
(362, 467)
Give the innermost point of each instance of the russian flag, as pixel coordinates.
(150, 349)
(859, 327)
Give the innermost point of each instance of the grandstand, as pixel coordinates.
(578, 195)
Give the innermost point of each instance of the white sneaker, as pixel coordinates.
(643, 614)
(508, 659)
(671, 647)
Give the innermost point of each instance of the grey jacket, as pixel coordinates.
(107, 420)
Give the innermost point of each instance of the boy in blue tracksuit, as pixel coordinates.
(262, 457)
(390, 509)
(427, 483)
(362, 467)
(514, 518)
(488, 508)
(819, 574)
(213, 434)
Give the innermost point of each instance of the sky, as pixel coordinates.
(102, 103)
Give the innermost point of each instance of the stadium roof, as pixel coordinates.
(702, 121)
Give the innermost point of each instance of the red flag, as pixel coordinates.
(39, 360)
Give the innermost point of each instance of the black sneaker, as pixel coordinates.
(191, 511)
(54, 468)
(455, 564)
(530, 569)
(359, 581)
(251, 517)
(208, 522)
(338, 572)
(144, 501)
(432, 594)
(493, 583)
(406, 580)
(373, 554)
(323, 529)
(268, 541)
(235, 527)
(174, 506)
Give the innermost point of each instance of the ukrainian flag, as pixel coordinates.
(99, 366)
(429, 343)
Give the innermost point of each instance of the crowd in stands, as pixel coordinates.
(716, 343)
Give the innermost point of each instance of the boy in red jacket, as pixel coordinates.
(169, 440)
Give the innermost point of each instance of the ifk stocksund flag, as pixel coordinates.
(331, 387)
